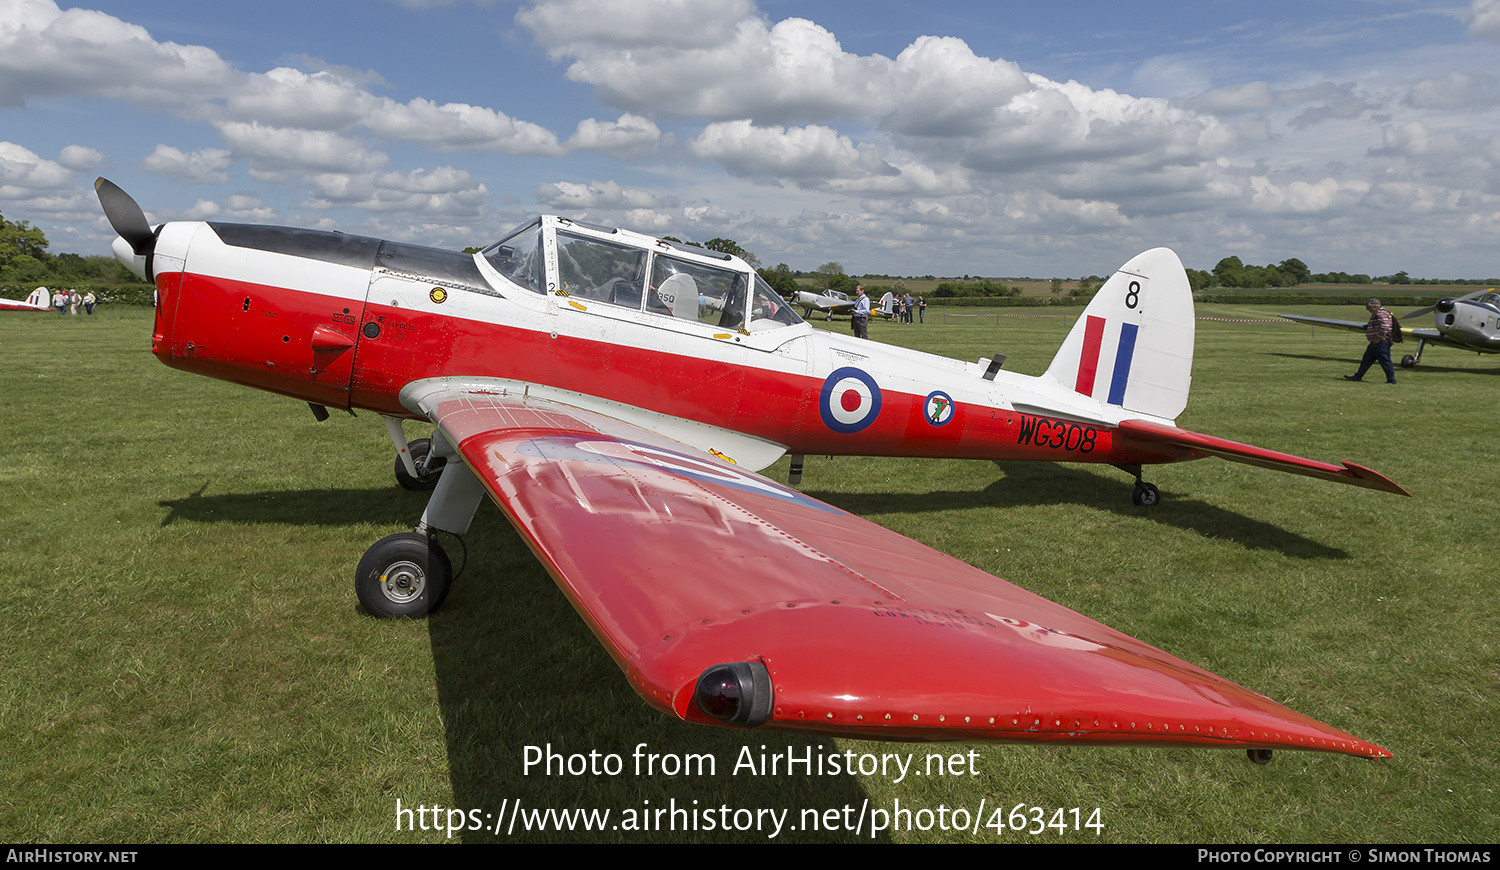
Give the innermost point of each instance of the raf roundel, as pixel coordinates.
(850, 400)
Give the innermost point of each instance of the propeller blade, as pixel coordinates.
(125, 216)
(1431, 308)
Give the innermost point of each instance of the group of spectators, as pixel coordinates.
(906, 305)
(69, 301)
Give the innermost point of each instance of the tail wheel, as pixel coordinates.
(403, 575)
(1145, 495)
(429, 468)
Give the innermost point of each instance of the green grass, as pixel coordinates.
(184, 660)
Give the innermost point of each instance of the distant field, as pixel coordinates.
(184, 660)
(1434, 290)
(920, 287)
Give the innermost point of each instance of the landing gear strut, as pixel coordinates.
(1144, 494)
(420, 463)
(1410, 361)
(429, 467)
(409, 574)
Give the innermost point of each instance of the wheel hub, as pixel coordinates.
(403, 581)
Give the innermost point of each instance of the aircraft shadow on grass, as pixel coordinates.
(1033, 484)
(516, 667)
(1424, 367)
(298, 507)
(1026, 484)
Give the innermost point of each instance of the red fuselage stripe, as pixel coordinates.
(242, 342)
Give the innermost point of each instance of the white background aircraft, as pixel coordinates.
(39, 300)
(1469, 322)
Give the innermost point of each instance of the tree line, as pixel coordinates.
(25, 263)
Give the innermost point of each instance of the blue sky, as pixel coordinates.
(950, 138)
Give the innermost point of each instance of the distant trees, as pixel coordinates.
(1231, 272)
(781, 279)
(986, 287)
(730, 246)
(832, 277)
(24, 260)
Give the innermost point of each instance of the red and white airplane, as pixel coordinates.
(614, 393)
(39, 300)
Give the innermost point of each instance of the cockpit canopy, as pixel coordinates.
(552, 255)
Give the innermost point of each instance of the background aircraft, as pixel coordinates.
(830, 302)
(1469, 322)
(38, 301)
(615, 425)
(833, 302)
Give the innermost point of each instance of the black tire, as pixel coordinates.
(403, 575)
(1408, 361)
(429, 470)
(1259, 756)
(1145, 495)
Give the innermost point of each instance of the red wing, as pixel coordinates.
(1143, 432)
(680, 562)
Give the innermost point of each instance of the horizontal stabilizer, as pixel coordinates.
(1234, 451)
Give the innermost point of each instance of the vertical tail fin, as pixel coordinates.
(1133, 346)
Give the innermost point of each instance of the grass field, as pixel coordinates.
(184, 659)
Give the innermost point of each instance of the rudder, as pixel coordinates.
(1133, 346)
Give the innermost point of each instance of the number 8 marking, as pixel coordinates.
(1133, 298)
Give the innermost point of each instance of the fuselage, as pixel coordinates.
(1473, 323)
(346, 321)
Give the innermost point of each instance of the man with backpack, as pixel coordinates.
(1378, 332)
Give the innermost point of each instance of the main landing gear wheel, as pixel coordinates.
(1145, 495)
(429, 468)
(1408, 361)
(403, 575)
(1259, 756)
